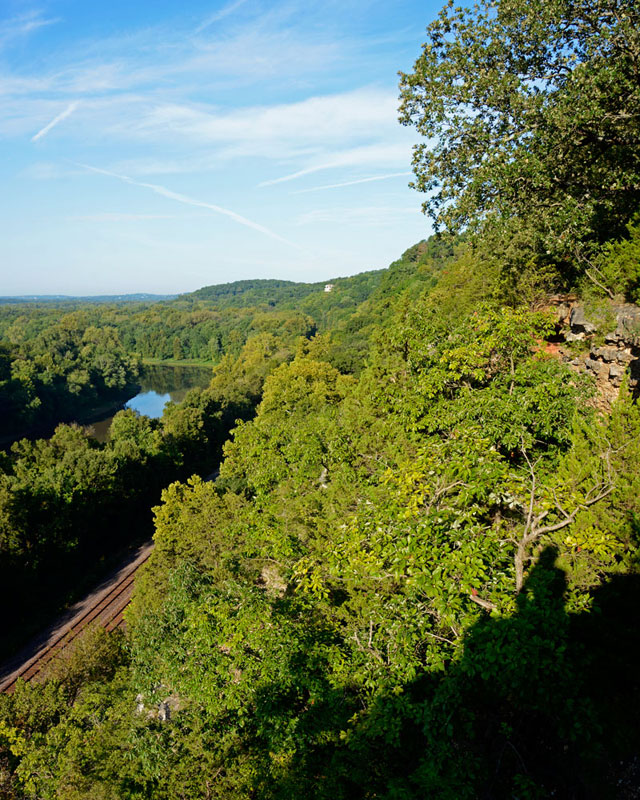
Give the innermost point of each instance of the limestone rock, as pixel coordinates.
(616, 371)
(627, 324)
(609, 364)
(605, 353)
(579, 321)
(592, 365)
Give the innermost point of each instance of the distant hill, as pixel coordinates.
(279, 293)
(216, 321)
(313, 297)
(100, 298)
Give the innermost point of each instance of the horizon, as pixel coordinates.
(162, 150)
(58, 296)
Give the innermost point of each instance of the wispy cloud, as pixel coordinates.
(23, 25)
(225, 11)
(380, 154)
(354, 183)
(223, 106)
(300, 173)
(68, 111)
(258, 51)
(321, 120)
(190, 201)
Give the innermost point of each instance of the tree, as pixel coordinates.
(531, 111)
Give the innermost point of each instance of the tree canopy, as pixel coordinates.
(532, 117)
(417, 571)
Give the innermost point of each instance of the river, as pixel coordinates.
(159, 384)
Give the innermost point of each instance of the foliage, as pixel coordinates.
(67, 369)
(206, 325)
(620, 263)
(416, 573)
(69, 502)
(216, 322)
(388, 591)
(530, 112)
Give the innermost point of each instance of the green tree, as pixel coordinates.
(530, 110)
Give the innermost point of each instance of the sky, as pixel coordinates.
(160, 146)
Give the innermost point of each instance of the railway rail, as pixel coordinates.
(104, 607)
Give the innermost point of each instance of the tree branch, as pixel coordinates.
(483, 603)
(533, 530)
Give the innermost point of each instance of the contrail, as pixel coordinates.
(190, 201)
(353, 183)
(302, 172)
(62, 115)
(224, 12)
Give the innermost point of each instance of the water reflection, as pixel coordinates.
(171, 380)
(151, 404)
(159, 384)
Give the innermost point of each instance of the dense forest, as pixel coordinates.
(204, 325)
(60, 361)
(67, 500)
(67, 368)
(416, 574)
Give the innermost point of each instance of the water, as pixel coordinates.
(159, 384)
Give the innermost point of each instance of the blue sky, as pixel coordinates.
(161, 146)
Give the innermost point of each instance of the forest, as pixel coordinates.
(417, 571)
(204, 325)
(67, 368)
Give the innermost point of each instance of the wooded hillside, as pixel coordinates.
(417, 573)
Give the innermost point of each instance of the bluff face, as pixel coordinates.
(603, 342)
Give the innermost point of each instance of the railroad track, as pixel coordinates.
(105, 608)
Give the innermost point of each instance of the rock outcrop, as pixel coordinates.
(609, 357)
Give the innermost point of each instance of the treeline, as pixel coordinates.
(158, 331)
(288, 294)
(218, 320)
(207, 324)
(62, 361)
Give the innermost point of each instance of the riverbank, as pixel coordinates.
(99, 413)
(93, 414)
